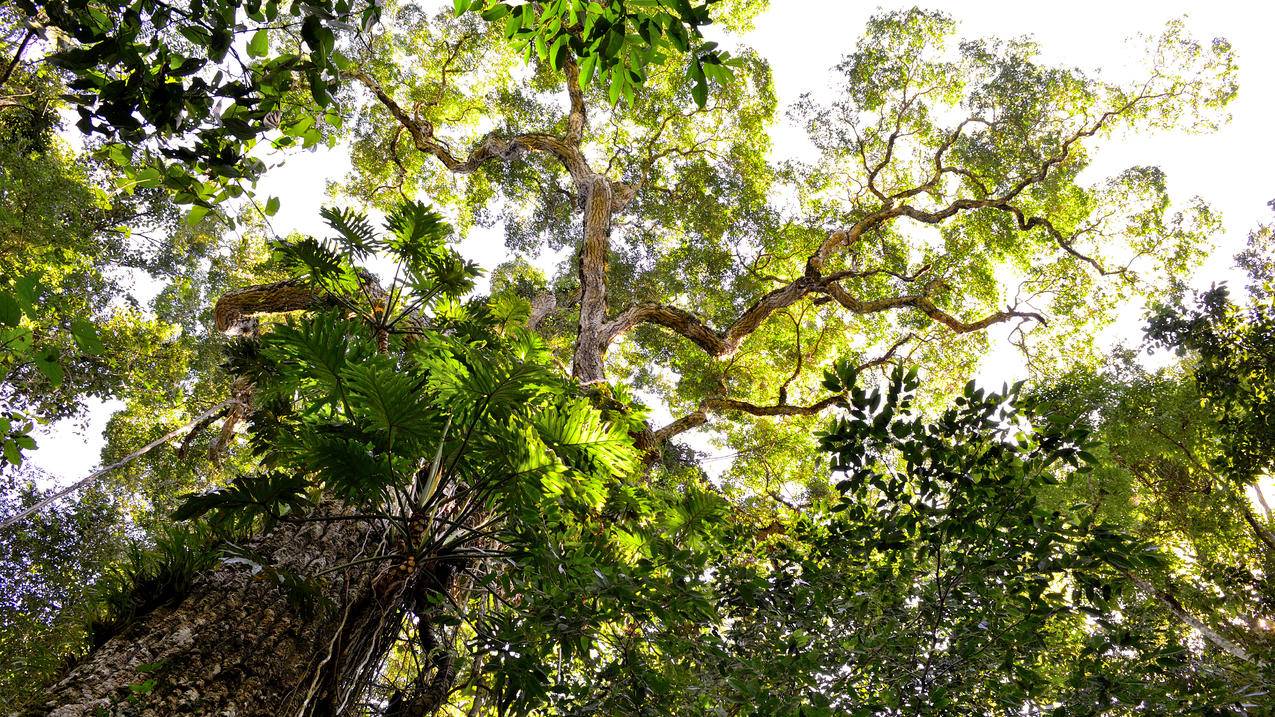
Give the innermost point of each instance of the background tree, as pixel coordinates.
(79, 254)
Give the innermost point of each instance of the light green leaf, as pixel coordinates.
(259, 45)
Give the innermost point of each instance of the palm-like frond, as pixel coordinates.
(349, 467)
(354, 231)
(583, 440)
(317, 348)
(389, 400)
(469, 383)
(418, 232)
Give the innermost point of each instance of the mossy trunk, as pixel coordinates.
(242, 644)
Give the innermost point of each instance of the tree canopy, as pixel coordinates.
(431, 499)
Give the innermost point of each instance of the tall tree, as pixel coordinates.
(489, 538)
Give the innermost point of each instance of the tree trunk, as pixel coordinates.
(238, 645)
(587, 365)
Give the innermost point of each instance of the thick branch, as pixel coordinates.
(577, 118)
(693, 328)
(679, 321)
(234, 311)
(491, 147)
(721, 344)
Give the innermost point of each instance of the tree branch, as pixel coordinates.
(722, 344)
(17, 57)
(1175, 607)
(489, 148)
(197, 421)
(576, 119)
(722, 404)
(234, 310)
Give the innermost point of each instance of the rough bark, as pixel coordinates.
(238, 644)
(587, 366)
(234, 312)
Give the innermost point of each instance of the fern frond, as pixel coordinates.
(583, 440)
(390, 401)
(355, 232)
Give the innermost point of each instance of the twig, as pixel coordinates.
(83, 482)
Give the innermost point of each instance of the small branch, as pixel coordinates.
(1175, 607)
(17, 57)
(92, 477)
(699, 416)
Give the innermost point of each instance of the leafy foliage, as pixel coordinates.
(148, 578)
(545, 549)
(612, 42)
(1233, 348)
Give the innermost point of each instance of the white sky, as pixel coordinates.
(1231, 169)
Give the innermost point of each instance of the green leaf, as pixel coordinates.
(247, 497)
(390, 401)
(47, 362)
(318, 38)
(259, 45)
(86, 336)
(196, 215)
(12, 453)
(577, 433)
(143, 688)
(27, 290)
(699, 85)
(272, 206)
(587, 66)
(17, 341)
(10, 312)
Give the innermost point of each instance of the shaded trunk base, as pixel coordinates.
(240, 645)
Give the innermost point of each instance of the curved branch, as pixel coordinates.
(489, 148)
(1028, 223)
(721, 404)
(678, 320)
(723, 344)
(692, 327)
(925, 305)
(234, 310)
